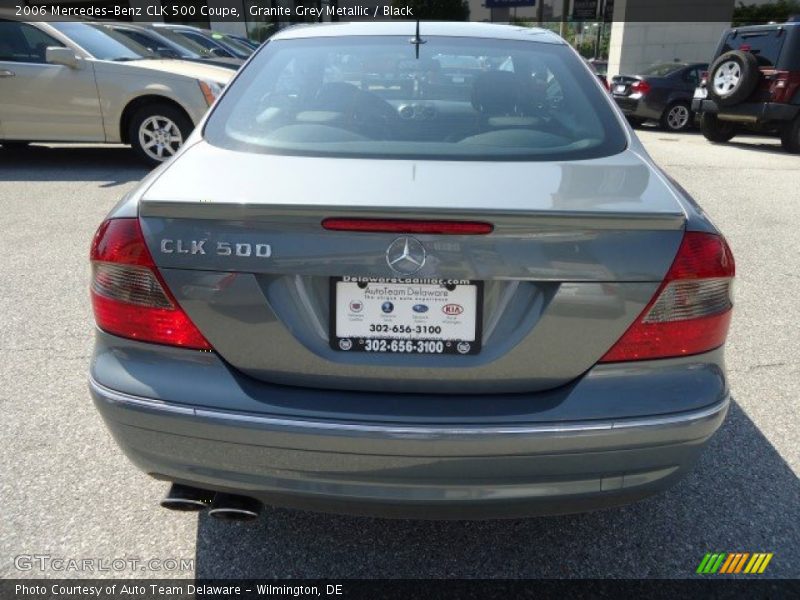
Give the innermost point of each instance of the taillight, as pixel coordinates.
(408, 226)
(703, 78)
(780, 86)
(129, 297)
(691, 311)
(640, 87)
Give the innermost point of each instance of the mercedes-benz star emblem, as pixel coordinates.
(405, 255)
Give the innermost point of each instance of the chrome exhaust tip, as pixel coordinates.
(230, 507)
(187, 499)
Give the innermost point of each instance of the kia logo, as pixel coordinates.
(452, 309)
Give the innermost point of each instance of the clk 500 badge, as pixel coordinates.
(243, 250)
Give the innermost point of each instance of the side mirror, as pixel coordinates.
(218, 52)
(55, 55)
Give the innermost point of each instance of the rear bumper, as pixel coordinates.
(638, 107)
(428, 470)
(748, 112)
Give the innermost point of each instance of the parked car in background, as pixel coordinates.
(600, 66)
(243, 40)
(662, 92)
(753, 84)
(206, 48)
(600, 76)
(397, 326)
(166, 46)
(239, 45)
(219, 44)
(79, 82)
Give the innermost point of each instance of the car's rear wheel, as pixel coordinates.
(157, 131)
(635, 122)
(790, 136)
(677, 117)
(715, 130)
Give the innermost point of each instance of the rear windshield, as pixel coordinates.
(462, 98)
(765, 45)
(663, 70)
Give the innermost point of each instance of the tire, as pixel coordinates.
(733, 77)
(715, 130)
(635, 122)
(790, 136)
(677, 117)
(157, 131)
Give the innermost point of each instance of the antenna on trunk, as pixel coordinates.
(417, 41)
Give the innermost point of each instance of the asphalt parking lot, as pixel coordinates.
(67, 491)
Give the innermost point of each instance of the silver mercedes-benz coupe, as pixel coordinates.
(411, 270)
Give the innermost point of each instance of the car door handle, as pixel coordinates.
(6, 73)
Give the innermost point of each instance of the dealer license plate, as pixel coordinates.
(412, 316)
(619, 89)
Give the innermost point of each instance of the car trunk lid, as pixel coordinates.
(576, 252)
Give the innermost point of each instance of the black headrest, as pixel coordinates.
(495, 93)
(337, 96)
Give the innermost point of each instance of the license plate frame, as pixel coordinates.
(406, 345)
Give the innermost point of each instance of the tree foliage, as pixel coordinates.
(779, 11)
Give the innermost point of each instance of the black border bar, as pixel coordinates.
(712, 587)
(365, 10)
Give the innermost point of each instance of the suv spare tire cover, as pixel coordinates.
(748, 77)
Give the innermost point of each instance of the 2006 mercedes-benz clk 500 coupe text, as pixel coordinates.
(378, 281)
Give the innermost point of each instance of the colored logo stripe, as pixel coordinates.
(729, 562)
(734, 562)
(758, 563)
(711, 563)
(701, 568)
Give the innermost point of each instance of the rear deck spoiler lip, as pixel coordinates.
(505, 221)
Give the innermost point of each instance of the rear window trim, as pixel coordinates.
(743, 34)
(614, 119)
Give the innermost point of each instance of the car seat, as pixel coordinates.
(499, 97)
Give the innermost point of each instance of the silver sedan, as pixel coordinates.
(77, 82)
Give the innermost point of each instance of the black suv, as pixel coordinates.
(753, 83)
